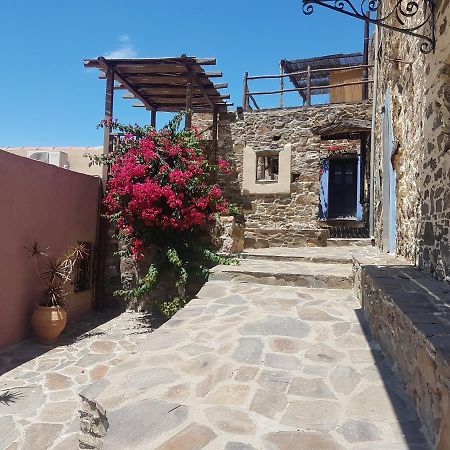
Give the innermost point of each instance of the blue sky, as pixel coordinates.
(49, 98)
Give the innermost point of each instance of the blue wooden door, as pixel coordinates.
(389, 216)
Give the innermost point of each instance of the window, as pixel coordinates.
(83, 270)
(267, 168)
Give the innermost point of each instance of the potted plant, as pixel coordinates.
(50, 316)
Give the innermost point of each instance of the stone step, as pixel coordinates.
(324, 255)
(344, 242)
(287, 273)
(301, 254)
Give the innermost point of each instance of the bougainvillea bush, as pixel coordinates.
(161, 195)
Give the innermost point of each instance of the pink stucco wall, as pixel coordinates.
(49, 204)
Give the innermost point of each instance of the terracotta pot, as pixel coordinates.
(48, 322)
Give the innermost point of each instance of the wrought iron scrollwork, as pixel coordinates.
(412, 17)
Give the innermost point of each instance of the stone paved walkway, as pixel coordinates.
(40, 385)
(257, 361)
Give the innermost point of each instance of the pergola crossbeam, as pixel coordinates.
(166, 83)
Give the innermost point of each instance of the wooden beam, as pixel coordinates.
(313, 88)
(188, 118)
(195, 82)
(109, 109)
(245, 92)
(308, 87)
(213, 74)
(153, 119)
(220, 85)
(174, 90)
(281, 84)
(119, 78)
(305, 72)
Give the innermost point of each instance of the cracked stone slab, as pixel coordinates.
(135, 425)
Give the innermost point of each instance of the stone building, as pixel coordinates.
(411, 145)
(298, 172)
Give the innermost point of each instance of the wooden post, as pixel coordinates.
(365, 86)
(281, 85)
(102, 234)
(109, 108)
(308, 87)
(153, 118)
(245, 92)
(188, 120)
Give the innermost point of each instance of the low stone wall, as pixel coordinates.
(408, 315)
(230, 234)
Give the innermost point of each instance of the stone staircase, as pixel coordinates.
(311, 267)
(308, 274)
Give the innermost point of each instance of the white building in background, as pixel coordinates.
(72, 158)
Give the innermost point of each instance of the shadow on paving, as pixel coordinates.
(83, 328)
(405, 410)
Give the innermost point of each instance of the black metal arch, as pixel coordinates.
(413, 17)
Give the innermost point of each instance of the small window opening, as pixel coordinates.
(267, 168)
(83, 270)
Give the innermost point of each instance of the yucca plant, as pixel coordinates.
(55, 273)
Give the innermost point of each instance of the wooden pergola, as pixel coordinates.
(170, 84)
(158, 84)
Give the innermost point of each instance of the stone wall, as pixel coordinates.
(273, 129)
(420, 105)
(406, 311)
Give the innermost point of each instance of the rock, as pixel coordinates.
(134, 425)
(233, 394)
(148, 378)
(249, 351)
(274, 380)
(323, 353)
(360, 431)
(277, 361)
(310, 387)
(268, 403)
(315, 315)
(41, 435)
(193, 437)
(215, 377)
(103, 346)
(286, 345)
(299, 440)
(238, 446)
(345, 379)
(273, 325)
(317, 415)
(56, 381)
(231, 420)
(59, 412)
(246, 373)
(8, 431)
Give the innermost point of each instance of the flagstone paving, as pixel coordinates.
(249, 365)
(257, 361)
(40, 385)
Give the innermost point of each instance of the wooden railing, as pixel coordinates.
(308, 90)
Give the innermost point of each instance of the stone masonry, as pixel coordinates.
(273, 129)
(420, 105)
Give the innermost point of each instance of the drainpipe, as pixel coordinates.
(372, 137)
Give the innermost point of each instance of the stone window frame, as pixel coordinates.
(252, 186)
